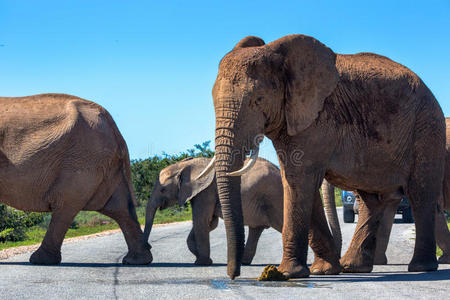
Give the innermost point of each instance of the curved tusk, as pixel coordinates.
(251, 162)
(208, 168)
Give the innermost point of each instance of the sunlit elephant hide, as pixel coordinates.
(62, 154)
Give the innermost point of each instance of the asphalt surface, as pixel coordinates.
(91, 269)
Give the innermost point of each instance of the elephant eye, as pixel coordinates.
(259, 100)
(162, 190)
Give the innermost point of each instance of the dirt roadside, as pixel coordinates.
(7, 253)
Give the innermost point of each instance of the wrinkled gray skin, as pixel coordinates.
(319, 108)
(441, 229)
(62, 154)
(384, 231)
(262, 204)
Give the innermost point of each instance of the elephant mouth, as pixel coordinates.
(164, 204)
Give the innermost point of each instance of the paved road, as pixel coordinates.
(90, 269)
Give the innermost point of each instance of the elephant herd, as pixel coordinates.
(360, 122)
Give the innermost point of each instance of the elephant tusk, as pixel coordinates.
(251, 162)
(208, 169)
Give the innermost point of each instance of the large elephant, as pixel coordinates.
(319, 109)
(262, 203)
(63, 154)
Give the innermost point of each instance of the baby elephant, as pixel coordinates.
(63, 154)
(262, 203)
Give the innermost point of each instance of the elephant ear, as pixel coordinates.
(310, 76)
(188, 186)
(250, 41)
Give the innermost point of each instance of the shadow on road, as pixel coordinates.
(386, 276)
(110, 265)
(345, 277)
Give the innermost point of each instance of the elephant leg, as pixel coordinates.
(423, 196)
(299, 192)
(442, 237)
(360, 255)
(326, 261)
(121, 209)
(384, 232)
(202, 213)
(191, 243)
(49, 253)
(213, 224)
(252, 242)
(202, 246)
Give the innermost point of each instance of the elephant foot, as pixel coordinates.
(423, 265)
(138, 258)
(292, 269)
(45, 257)
(203, 261)
(444, 259)
(323, 267)
(355, 265)
(380, 260)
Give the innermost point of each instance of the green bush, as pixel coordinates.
(13, 223)
(144, 172)
(91, 218)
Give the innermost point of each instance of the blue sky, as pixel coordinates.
(152, 64)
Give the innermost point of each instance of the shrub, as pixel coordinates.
(13, 223)
(144, 172)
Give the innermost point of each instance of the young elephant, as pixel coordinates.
(63, 154)
(262, 203)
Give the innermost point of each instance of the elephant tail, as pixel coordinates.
(127, 174)
(124, 157)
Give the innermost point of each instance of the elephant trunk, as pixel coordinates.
(149, 218)
(330, 209)
(229, 158)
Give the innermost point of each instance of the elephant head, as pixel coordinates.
(276, 90)
(176, 185)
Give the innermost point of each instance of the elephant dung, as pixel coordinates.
(271, 273)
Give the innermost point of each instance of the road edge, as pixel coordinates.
(13, 251)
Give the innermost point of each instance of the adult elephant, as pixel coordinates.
(319, 109)
(63, 154)
(262, 203)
